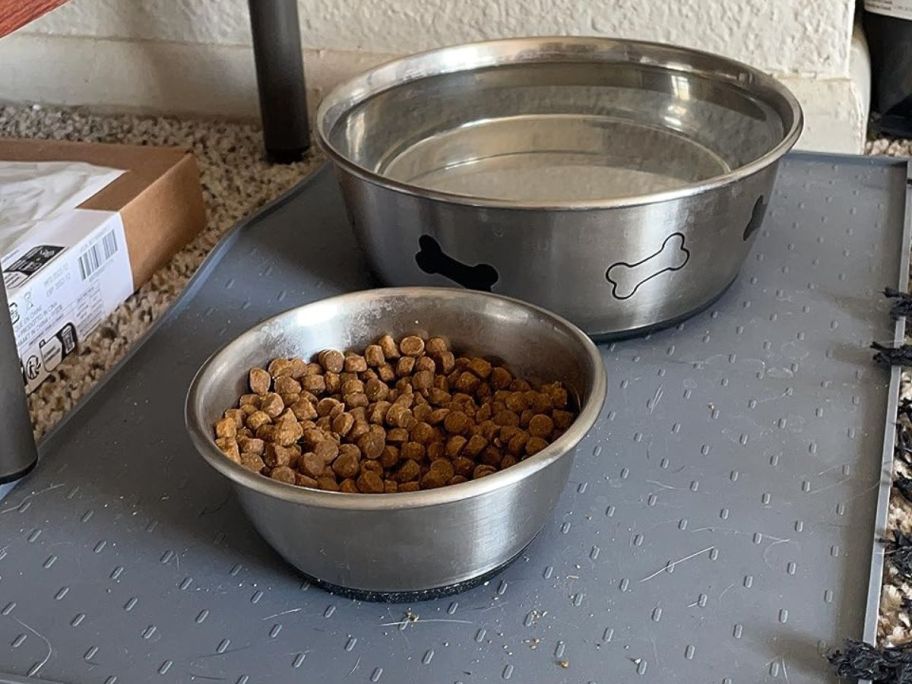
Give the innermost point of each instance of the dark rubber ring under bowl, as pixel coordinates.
(409, 596)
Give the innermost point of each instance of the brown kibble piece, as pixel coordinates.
(372, 442)
(435, 450)
(456, 422)
(517, 444)
(480, 367)
(361, 427)
(397, 435)
(541, 425)
(423, 380)
(288, 433)
(283, 474)
(226, 427)
(425, 363)
(311, 464)
(467, 382)
(390, 486)
(534, 445)
(298, 367)
(277, 455)
(286, 384)
(438, 416)
(346, 465)
(422, 412)
(331, 360)
(376, 390)
(475, 446)
(409, 486)
(373, 466)
(386, 373)
(446, 362)
(343, 423)
(558, 395)
(272, 405)
(443, 467)
(313, 383)
(412, 345)
(280, 367)
(251, 445)
(463, 466)
(422, 432)
(259, 381)
(483, 471)
(237, 415)
(374, 355)
(413, 451)
(328, 483)
(249, 400)
(378, 412)
(348, 486)
(326, 405)
(257, 419)
(389, 347)
(229, 447)
(370, 483)
(398, 415)
(526, 417)
(408, 471)
(517, 402)
(507, 461)
(356, 399)
(562, 419)
(405, 366)
(491, 456)
(433, 479)
(506, 417)
(455, 445)
(352, 386)
(390, 457)
(305, 481)
(501, 378)
(304, 409)
(355, 363)
(436, 345)
(332, 382)
(326, 450)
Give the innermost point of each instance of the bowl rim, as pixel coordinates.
(491, 53)
(200, 432)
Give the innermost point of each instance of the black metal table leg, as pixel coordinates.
(280, 78)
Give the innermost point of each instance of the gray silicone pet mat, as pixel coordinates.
(718, 525)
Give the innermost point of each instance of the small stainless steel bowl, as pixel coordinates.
(617, 183)
(393, 545)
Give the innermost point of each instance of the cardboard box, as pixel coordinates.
(64, 280)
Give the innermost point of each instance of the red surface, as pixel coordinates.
(17, 13)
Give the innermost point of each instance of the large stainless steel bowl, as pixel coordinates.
(617, 183)
(407, 542)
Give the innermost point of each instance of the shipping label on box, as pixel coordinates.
(61, 280)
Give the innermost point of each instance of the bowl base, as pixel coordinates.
(409, 596)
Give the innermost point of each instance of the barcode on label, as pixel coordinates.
(96, 255)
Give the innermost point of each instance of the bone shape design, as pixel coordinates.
(432, 259)
(626, 278)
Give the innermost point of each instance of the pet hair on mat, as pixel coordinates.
(886, 665)
(903, 304)
(899, 552)
(892, 356)
(903, 485)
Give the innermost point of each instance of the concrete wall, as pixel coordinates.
(194, 55)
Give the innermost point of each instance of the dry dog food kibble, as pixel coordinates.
(399, 417)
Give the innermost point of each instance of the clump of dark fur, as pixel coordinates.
(885, 665)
